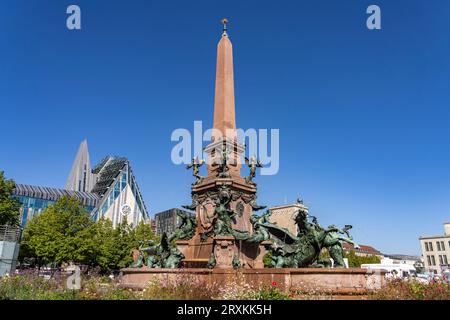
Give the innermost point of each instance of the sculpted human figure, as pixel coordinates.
(222, 163)
(223, 217)
(333, 243)
(301, 220)
(290, 251)
(195, 165)
(260, 233)
(160, 255)
(173, 261)
(138, 259)
(186, 229)
(253, 164)
(145, 247)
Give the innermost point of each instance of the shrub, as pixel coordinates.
(398, 289)
(27, 287)
(235, 291)
(179, 288)
(34, 287)
(270, 293)
(191, 288)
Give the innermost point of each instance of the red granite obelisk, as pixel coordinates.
(224, 128)
(204, 194)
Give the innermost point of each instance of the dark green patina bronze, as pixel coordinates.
(186, 229)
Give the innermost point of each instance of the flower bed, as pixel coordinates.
(412, 290)
(34, 287)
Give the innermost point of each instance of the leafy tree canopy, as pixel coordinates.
(64, 232)
(355, 261)
(9, 207)
(58, 234)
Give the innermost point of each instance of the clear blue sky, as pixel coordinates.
(364, 116)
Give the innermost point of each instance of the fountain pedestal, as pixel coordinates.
(224, 248)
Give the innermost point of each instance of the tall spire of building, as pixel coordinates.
(224, 113)
(80, 177)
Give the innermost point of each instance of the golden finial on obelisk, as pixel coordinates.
(224, 22)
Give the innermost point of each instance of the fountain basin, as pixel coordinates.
(331, 281)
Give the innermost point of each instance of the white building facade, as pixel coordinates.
(109, 191)
(436, 251)
(120, 196)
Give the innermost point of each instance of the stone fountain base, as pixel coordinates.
(329, 281)
(197, 253)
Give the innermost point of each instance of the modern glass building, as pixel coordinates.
(108, 190)
(119, 192)
(35, 199)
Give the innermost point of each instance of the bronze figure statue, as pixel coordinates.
(195, 165)
(224, 217)
(222, 163)
(186, 229)
(253, 164)
(333, 243)
(159, 255)
(303, 249)
(260, 232)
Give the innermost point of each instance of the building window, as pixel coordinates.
(426, 247)
(445, 259)
(430, 244)
(442, 246)
(441, 261)
(433, 261)
(429, 260)
(438, 245)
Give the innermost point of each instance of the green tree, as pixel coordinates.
(61, 233)
(9, 206)
(143, 232)
(105, 239)
(355, 261)
(64, 232)
(115, 245)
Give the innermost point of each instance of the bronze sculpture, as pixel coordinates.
(186, 229)
(195, 165)
(224, 217)
(260, 233)
(222, 163)
(159, 255)
(333, 243)
(303, 249)
(253, 164)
